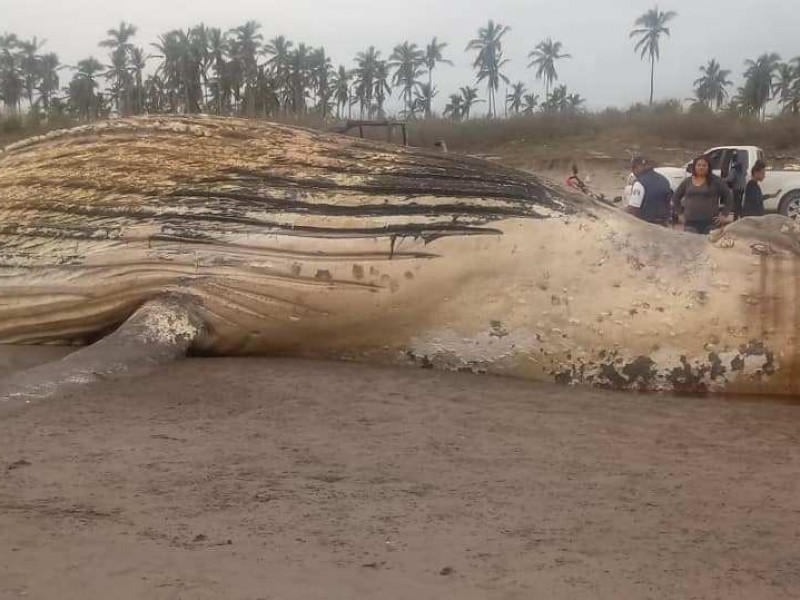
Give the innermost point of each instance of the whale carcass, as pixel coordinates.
(146, 237)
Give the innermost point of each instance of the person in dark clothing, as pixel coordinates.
(651, 196)
(699, 198)
(736, 180)
(753, 196)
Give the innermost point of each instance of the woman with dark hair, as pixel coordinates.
(753, 196)
(699, 198)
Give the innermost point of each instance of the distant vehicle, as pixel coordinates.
(782, 187)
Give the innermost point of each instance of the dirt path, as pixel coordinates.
(273, 479)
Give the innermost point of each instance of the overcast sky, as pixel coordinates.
(604, 69)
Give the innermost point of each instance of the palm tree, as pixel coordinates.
(650, 27)
(82, 91)
(341, 89)
(199, 61)
(787, 87)
(382, 88)
(12, 83)
(792, 102)
(120, 46)
(407, 61)
(299, 78)
(48, 79)
(171, 70)
(423, 101)
(759, 78)
(544, 58)
(248, 42)
(180, 69)
(29, 65)
(185, 57)
(744, 103)
(575, 103)
(120, 79)
(265, 101)
(561, 101)
(119, 39)
(489, 60)
(320, 71)
(455, 108)
(364, 73)
(89, 68)
(711, 86)
(530, 102)
(784, 79)
(245, 47)
(219, 84)
(138, 65)
(469, 97)
(8, 41)
(278, 50)
(155, 95)
(514, 99)
(433, 57)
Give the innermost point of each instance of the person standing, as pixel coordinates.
(753, 205)
(699, 198)
(651, 196)
(736, 180)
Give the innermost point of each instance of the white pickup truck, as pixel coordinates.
(781, 188)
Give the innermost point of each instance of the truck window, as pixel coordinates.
(725, 162)
(715, 158)
(742, 155)
(744, 158)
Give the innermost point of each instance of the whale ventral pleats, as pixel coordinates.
(201, 175)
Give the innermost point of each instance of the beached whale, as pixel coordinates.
(146, 237)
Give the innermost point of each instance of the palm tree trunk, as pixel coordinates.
(652, 76)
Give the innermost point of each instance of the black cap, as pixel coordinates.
(639, 161)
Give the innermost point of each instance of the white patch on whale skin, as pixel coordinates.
(523, 350)
(494, 347)
(163, 324)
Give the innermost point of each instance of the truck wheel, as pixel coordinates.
(790, 205)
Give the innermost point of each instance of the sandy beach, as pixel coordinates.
(271, 479)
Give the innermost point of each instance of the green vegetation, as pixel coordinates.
(243, 72)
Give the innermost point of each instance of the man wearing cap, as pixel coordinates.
(651, 196)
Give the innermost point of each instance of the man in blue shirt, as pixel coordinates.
(651, 196)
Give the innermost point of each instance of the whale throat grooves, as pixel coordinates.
(251, 219)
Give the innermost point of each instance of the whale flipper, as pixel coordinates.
(159, 332)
